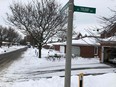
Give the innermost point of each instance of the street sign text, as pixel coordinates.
(84, 9)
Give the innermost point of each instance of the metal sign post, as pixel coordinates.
(69, 45)
(71, 10)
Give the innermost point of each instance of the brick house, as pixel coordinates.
(103, 47)
(87, 47)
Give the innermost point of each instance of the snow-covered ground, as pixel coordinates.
(5, 49)
(26, 72)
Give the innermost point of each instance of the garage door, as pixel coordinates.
(76, 50)
(62, 49)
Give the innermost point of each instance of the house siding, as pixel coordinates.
(87, 51)
(57, 47)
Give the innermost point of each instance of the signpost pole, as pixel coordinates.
(72, 8)
(69, 45)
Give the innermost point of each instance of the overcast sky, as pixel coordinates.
(81, 20)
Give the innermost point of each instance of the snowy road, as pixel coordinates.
(10, 54)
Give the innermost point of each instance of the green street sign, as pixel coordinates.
(84, 9)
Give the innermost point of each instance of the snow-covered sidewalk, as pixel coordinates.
(21, 72)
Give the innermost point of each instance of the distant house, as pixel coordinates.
(5, 43)
(87, 47)
(103, 47)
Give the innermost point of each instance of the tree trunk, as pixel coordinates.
(39, 48)
(0, 43)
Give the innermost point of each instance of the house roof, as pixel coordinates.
(88, 41)
(112, 38)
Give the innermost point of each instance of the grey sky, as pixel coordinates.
(81, 20)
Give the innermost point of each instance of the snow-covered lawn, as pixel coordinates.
(25, 72)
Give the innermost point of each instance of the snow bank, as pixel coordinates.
(106, 80)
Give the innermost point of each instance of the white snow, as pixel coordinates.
(82, 41)
(1, 50)
(25, 72)
(5, 49)
(86, 41)
(112, 38)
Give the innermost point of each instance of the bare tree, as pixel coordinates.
(9, 35)
(3, 34)
(61, 35)
(41, 20)
(13, 36)
(108, 22)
